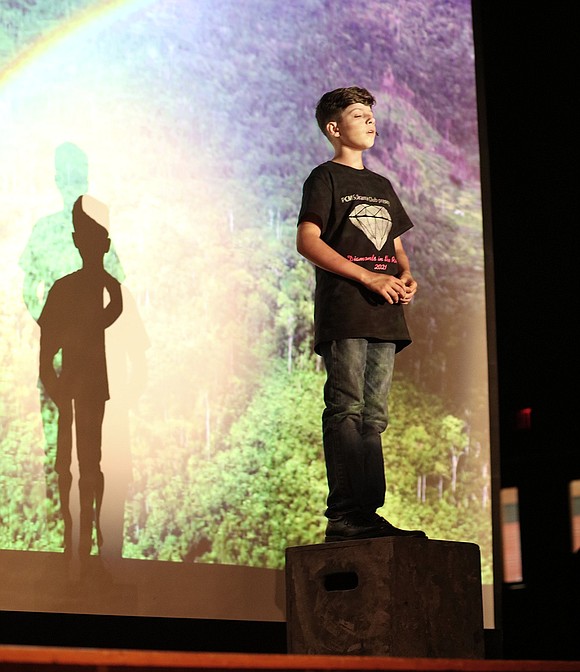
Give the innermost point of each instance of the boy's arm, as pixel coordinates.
(47, 374)
(405, 271)
(115, 306)
(311, 246)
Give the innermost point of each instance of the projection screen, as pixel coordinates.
(193, 124)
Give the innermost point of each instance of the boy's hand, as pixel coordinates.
(53, 388)
(391, 288)
(410, 286)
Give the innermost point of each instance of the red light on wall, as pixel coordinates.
(524, 418)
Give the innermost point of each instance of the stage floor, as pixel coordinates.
(48, 659)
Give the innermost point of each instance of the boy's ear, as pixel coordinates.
(332, 129)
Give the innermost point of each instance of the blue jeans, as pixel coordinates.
(358, 382)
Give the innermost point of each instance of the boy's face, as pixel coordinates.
(355, 128)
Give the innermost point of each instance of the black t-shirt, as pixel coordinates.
(360, 216)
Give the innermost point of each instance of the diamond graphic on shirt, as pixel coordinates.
(374, 221)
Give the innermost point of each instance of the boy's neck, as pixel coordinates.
(349, 157)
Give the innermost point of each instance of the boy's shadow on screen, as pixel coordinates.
(51, 261)
(73, 322)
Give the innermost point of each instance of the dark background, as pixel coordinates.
(528, 54)
(527, 69)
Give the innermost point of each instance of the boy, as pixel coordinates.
(349, 227)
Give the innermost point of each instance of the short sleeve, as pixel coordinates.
(316, 200)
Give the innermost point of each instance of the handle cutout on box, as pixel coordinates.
(341, 581)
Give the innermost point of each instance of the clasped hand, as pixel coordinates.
(392, 288)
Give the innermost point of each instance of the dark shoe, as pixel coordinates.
(389, 530)
(352, 526)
